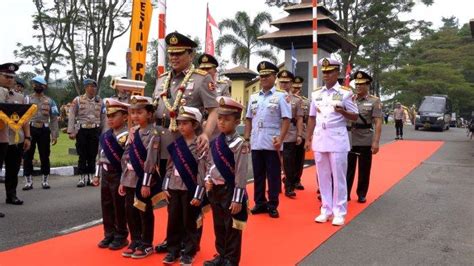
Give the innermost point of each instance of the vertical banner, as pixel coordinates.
(209, 45)
(347, 78)
(141, 19)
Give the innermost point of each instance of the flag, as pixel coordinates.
(293, 59)
(347, 78)
(209, 47)
(141, 19)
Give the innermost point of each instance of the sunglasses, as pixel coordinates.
(177, 53)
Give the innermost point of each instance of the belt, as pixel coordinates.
(260, 124)
(362, 126)
(165, 122)
(39, 124)
(89, 126)
(324, 125)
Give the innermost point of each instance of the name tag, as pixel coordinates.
(190, 86)
(337, 97)
(367, 104)
(318, 99)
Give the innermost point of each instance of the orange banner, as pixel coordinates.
(141, 20)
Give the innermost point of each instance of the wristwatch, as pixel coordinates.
(28, 138)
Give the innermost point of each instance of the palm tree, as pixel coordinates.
(244, 39)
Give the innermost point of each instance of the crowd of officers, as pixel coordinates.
(341, 126)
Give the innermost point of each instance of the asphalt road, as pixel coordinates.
(427, 218)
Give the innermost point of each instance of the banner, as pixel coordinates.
(209, 49)
(347, 78)
(141, 20)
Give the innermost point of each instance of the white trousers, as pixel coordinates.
(332, 168)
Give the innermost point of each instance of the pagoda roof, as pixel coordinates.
(240, 72)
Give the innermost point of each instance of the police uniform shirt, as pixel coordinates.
(15, 97)
(369, 107)
(47, 113)
(235, 143)
(87, 111)
(175, 180)
(330, 133)
(296, 111)
(151, 140)
(266, 111)
(222, 88)
(3, 126)
(199, 93)
(121, 136)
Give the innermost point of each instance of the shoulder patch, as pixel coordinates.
(164, 74)
(346, 88)
(200, 72)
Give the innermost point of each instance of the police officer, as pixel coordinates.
(300, 150)
(331, 107)
(209, 64)
(18, 142)
(268, 119)
(293, 137)
(20, 86)
(399, 117)
(86, 116)
(364, 141)
(183, 85)
(44, 131)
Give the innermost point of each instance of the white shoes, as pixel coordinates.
(322, 218)
(338, 221)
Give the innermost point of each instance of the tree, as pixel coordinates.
(244, 38)
(48, 22)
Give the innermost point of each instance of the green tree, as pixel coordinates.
(244, 38)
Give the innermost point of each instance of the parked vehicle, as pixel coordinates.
(434, 113)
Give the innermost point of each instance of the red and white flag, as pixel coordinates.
(209, 46)
(347, 78)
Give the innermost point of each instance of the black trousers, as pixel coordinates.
(113, 205)
(42, 138)
(399, 127)
(266, 166)
(12, 166)
(228, 239)
(87, 146)
(3, 153)
(182, 226)
(365, 164)
(140, 224)
(289, 164)
(299, 161)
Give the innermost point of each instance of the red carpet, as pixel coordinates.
(266, 241)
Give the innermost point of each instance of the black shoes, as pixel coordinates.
(118, 243)
(186, 260)
(290, 193)
(14, 201)
(170, 258)
(131, 249)
(104, 243)
(162, 248)
(259, 209)
(142, 251)
(217, 261)
(2, 215)
(299, 186)
(362, 200)
(272, 212)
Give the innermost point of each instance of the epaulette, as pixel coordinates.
(280, 90)
(317, 89)
(164, 74)
(373, 96)
(122, 138)
(222, 82)
(200, 72)
(346, 88)
(304, 98)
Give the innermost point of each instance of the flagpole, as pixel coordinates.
(315, 43)
(161, 37)
(207, 17)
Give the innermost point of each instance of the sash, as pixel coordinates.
(138, 154)
(112, 149)
(184, 162)
(223, 158)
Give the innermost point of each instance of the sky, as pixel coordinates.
(188, 17)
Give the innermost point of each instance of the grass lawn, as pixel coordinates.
(60, 152)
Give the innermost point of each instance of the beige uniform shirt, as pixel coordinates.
(200, 93)
(85, 111)
(151, 141)
(305, 104)
(369, 107)
(15, 97)
(399, 114)
(47, 113)
(222, 88)
(3, 126)
(296, 111)
(174, 180)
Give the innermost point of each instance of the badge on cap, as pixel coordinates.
(173, 40)
(325, 62)
(297, 80)
(284, 74)
(205, 59)
(262, 65)
(107, 104)
(222, 102)
(11, 67)
(359, 75)
(133, 100)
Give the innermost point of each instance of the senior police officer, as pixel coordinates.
(44, 131)
(183, 85)
(293, 137)
(86, 117)
(300, 150)
(268, 119)
(331, 107)
(209, 64)
(364, 141)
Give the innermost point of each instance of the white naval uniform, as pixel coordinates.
(330, 146)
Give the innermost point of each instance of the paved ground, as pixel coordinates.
(426, 219)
